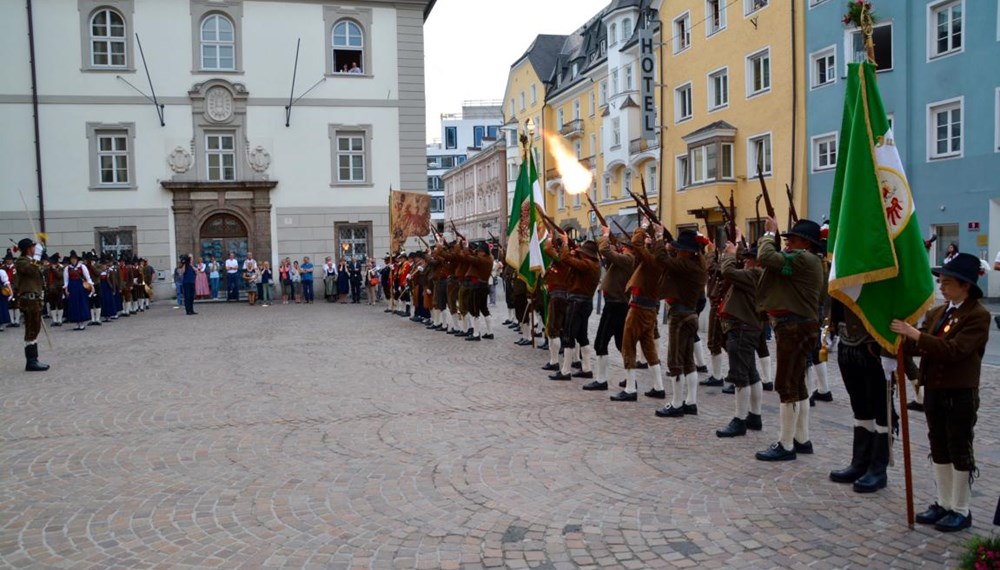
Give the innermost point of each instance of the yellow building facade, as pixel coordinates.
(734, 99)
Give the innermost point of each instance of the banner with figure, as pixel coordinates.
(409, 216)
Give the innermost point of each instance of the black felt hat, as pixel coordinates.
(965, 267)
(687, 240)
(807, 230)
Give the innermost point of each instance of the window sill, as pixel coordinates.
(107, 70)
(709, 34)
(683, 119)
(945, 55)
(822, 85)
(216, 72)
(682, 50)
(719, 108)
(352, 185)
(343, 75)
(760, 93)
(824, 169)
(726, 181)
(943, 157)
(112, 187)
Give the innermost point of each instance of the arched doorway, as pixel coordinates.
(221, 234)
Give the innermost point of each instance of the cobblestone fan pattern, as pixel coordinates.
(341, 437)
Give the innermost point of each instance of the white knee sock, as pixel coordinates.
(657, 371)
(567, 361)
(765, 369)
(677, 395)
(717, 366)
(602, 369)
(786, 414)
(586, 356)
(742, 402)
(810, 379)
(961, 490)
(756, 396)
(867, 424)
(554, 344)
(920, 394)
(692, 389)
(699, 354)
(802, 421)
(823, 384)
(630, 381)
(487, 325)
(943, 475)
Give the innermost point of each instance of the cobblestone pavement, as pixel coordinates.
(341, 437)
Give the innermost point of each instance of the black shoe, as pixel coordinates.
(932, 515)
(14, 325)
(507, 322)
(488, 336)
(690, 409)
(875, 477)
(953, 522)
(543, 346)
(95, 323)
(821, 397)
(472, 339)
(754, 422)
(768, 386)
(596, 386)
(736, 428)
(192, 313)
(655, 394)
(776, 452)
(623, 383)
(711, 381)
(812, 401)
(701, 369)
(31, 359)
(549, 367)
(915, 406)
(730, 389)
(54, 325)
(559, 376)
(642, 366)
(669, 411)
(582, 374)
(624, 396)
(522, 342)
(804, 448)
(387, 311)
(861, 454)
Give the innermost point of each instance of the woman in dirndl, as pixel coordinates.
(202, 290)
(5, 294)
(77, 285)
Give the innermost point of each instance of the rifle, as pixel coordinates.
(454, 229)
(620, 228)
(493, 238)
(600, 218)
(732, 216)
(791, 204)
(768, 207)
(645, 197)
(648, 212)
(427, 245)
(728, 221)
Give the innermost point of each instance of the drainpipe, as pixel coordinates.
(34, 108)
(795, 108)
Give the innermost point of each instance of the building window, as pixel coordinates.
(605, 189)
(521, 98)
(652, 180)
(561, 200)
(613, 34)
(352, 155)
(823, 66)
(614, 82)
(578, 148)
(478, 132)
(218, 44)
(106, 35)
(349, 48)
(616, 132)
(353, 240)
(683, 172)
(593, 144)
(576, 69)
(492, 132)
(718, 89)
(727, 161)
(711, 163)
(944, 28)
(119, 241)
(682, 32)
(682, 103)
(593, 104)
(538, 127)
(511, 108)
(437, 204)
(112, 156)
(759, 158)
(854, 46)
(628, 77)
(944, 134)
(434, 184)
(604, 93)
(824, 152)
(451, 137)
(220, 157)
(576, 109)
(107, 39)
(560, 119)
(759, 72)
(576, 200)
(626, 28)
(751, 6)
(715, 16)
(534, 94)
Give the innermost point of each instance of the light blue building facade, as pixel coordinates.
(939, 75)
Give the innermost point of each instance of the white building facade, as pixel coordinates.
(476, 194)
(222, 172)
(462, 135)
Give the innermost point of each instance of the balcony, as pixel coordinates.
(642, 145)
(572, 129)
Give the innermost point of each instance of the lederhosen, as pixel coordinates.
(54, 288)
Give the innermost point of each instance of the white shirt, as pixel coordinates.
(329, 270)
(997, 260)
(232, 266)
(86, 274)
(249, 265)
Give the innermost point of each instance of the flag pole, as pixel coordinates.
(904, 421)
(525, 155)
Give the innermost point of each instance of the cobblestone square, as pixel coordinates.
(341, 437)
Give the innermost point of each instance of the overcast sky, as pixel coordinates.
(470, 45)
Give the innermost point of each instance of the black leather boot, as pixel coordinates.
(875, 478)
(31, 359)
(860, 458)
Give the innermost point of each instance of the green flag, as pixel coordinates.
(524, 251)
(880, 268)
